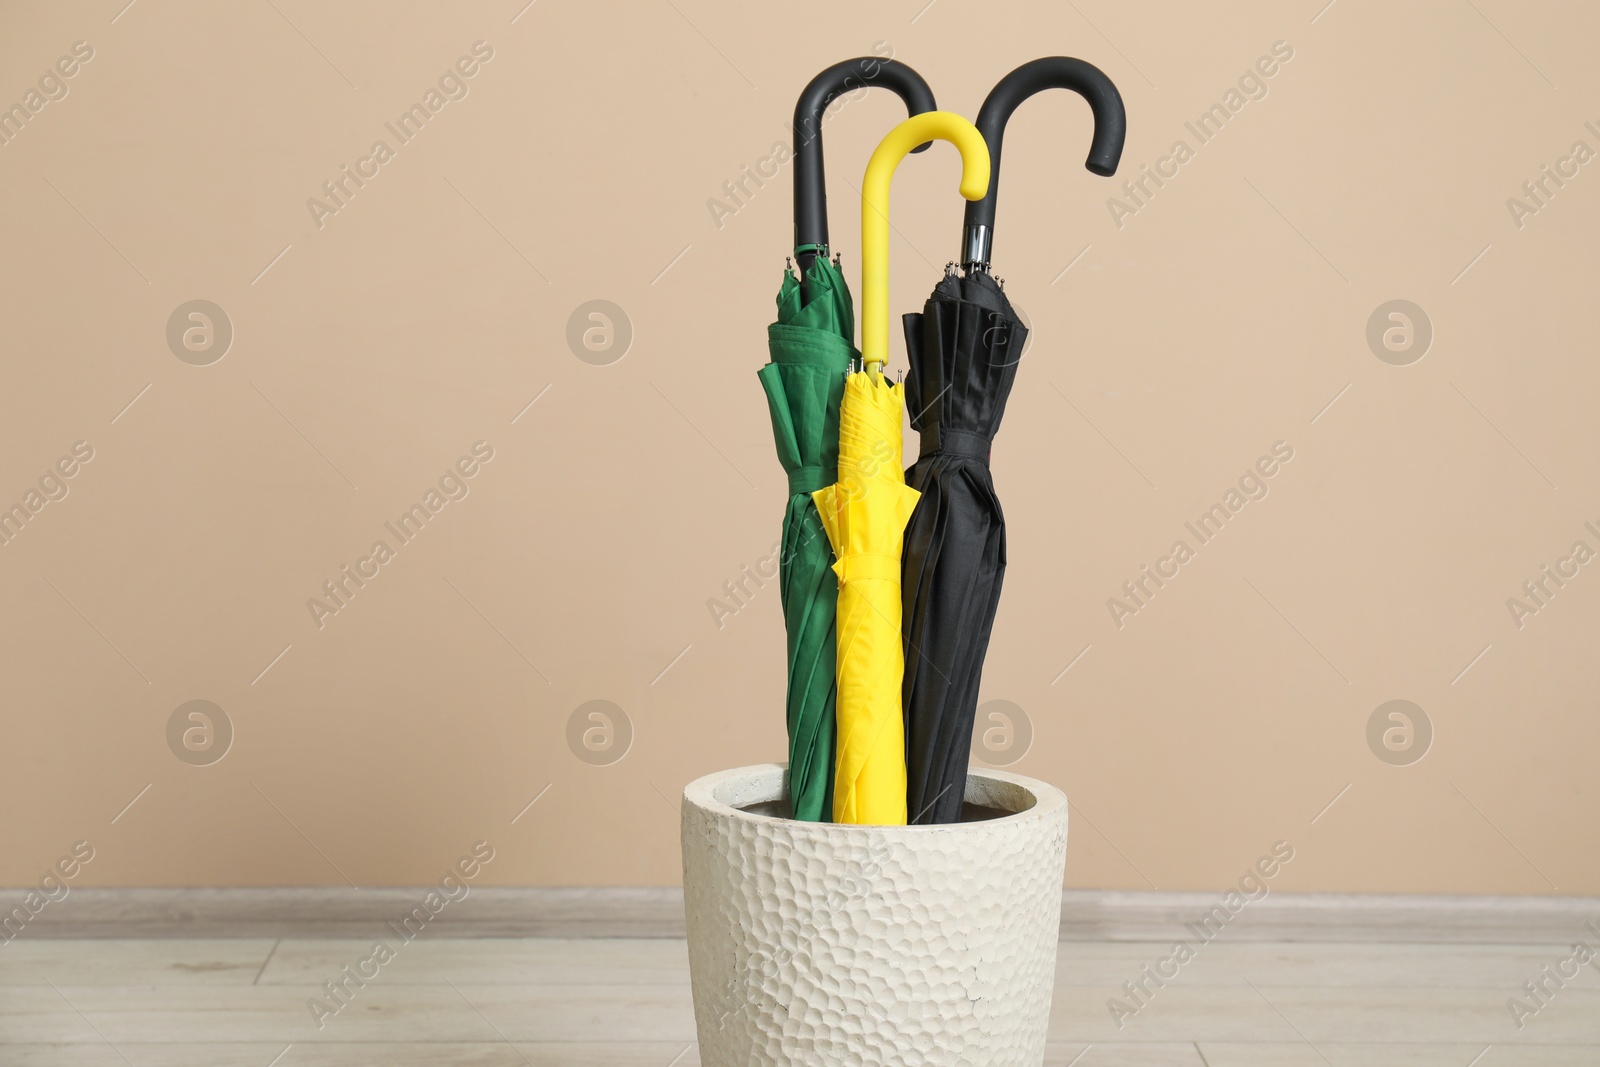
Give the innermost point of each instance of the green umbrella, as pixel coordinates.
(804, 382)
(811, 348)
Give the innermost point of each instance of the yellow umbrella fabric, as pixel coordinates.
(865, 515)
(866, 511)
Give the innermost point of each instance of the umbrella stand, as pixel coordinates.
(814, 943)
(865, 512)
(810, 190)
(811, 348)
(963, 350)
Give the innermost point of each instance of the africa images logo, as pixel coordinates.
(454, 484)
(1205, 128)
(52, 88)
(52, 486)
(452, 85)
(1252, 486)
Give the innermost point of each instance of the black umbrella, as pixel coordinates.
(963, 350)
(811, 346)
(810, 191)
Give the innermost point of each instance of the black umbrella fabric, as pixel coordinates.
(963, 350)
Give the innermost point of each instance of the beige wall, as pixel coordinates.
(1226, 314)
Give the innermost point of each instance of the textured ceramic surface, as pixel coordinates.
(917, 946)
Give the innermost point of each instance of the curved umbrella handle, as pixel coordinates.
(935, 125)
(1053, 72)
(810, 191)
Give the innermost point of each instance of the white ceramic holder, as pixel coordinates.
(913, 946)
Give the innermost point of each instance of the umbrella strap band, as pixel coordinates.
(963, 443)
(868, 566)
(807, 480)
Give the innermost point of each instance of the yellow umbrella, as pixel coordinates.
(866, 511)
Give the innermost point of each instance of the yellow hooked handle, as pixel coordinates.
(929, 126)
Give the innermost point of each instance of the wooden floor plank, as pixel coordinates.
(388, 1012)
(64, 1055)
(133, 962)
(1428, 966)
(1285, 1014)
(508, 961)
(1122, 1054)
(358, 1054)
(1391, 1055)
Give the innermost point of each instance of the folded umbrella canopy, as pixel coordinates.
(963, 350)
(865, 512)
(811, 348)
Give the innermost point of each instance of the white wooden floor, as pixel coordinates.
(625, 1003)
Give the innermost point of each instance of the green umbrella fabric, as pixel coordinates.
(811, 350)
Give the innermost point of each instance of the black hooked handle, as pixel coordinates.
(810, 190)
(1054, 72)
